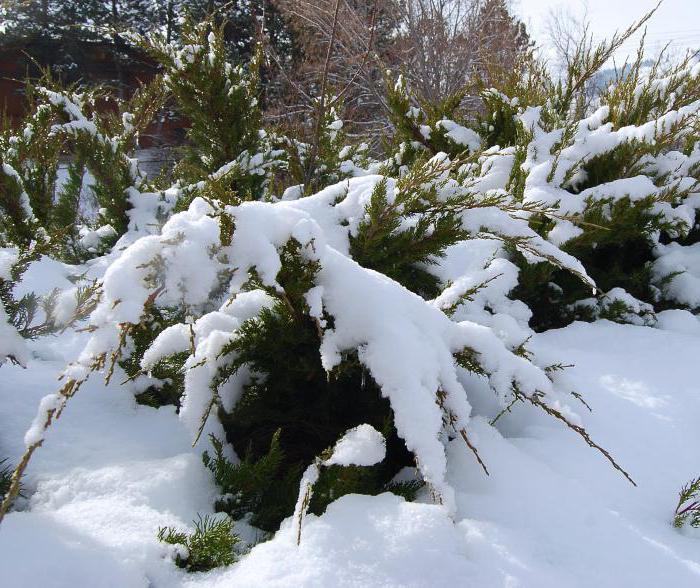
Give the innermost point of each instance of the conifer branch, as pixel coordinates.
(67, 392)
(536, 400)
(15, 481)
(473, 449)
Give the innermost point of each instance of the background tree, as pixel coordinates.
(440, 46)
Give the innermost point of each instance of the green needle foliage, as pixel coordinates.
(5, 475)
(97, 136)
(383, 242)
(254, 486)
(688, 507)
(292, 410)
(167, 373)
(210, 545)
(421, 128)
(35, 316)
(325, 157)
(616, 250)
(220, 103)
(451, 174)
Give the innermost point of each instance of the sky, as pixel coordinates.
(676, 21)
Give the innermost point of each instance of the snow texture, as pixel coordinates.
(113, 472)
(407, 345)
(551, 514)
(361, 446)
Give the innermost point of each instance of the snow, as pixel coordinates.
(362, 446)
(11, 343)
(24, 198)
(685, 262)
(8, 258)
(107, 477)
(407, 345)
(635, 311)
(91, 239)
(43, 275)
(551, 514)
(359, 541)
(111, 472)
(678, 320)
(460, 135)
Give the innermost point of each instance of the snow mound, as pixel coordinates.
(359, 541)
(362, 446)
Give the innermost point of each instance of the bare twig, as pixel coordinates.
(352, 80)
(321, 110)
(471, 446)
(537, 401)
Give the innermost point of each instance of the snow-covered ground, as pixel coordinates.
(552, 513)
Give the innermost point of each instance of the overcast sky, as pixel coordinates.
(676, 21)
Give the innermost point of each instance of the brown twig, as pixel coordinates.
(363, 62)
(537, 401)
(321, 110)
(13, 491)
(67, 391)
(471, 446)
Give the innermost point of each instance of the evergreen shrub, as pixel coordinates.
(282, 292)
